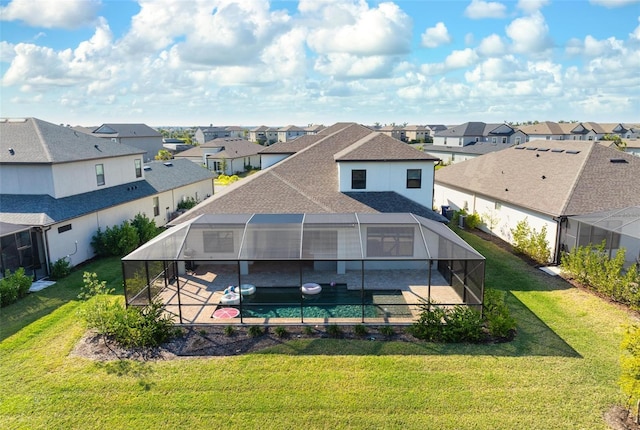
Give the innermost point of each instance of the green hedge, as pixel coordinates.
(14, 286)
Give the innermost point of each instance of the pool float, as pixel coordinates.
(230, 298)
(311, 288)
(247, 289)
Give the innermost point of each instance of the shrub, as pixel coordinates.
(118, 240)
(144, 327)
(187, 203)
(360, 330)
(14, 286)
(60, 269)
(529, 242)
(473, 221)
(334, 330)
(281, 332)
(255, 331)
(497, 317)
(145, 227)
(307, 330)
(591, 266)
(440, 324)
(386, 330)
(229, 330)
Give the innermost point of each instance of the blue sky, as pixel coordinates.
(223, 62)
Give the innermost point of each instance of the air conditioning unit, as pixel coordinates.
(462, 221)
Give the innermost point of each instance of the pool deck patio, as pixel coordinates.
(201, 291)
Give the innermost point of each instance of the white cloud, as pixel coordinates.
(492, 46)
(460, 59)
(592, 47)
(530, 35)
(69, 14)
(531, 6)
(347, 66)
(636, 33)
(613, 3)
(436, 36)
(385, 30)
(7, 52)
(479, 9)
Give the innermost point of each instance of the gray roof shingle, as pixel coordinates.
(35, 141)
(305, 182)
(558, 178)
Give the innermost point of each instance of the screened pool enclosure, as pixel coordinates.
(304, 268)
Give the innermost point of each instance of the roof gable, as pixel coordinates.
(380, 147)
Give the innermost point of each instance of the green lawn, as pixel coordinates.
(560, 373)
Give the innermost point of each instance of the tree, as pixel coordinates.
(620, 144)
(163, 154)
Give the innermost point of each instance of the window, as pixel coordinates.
(217, 166)
(518, 140)
(494, 140)
(358, 179)
(156, 206)
(138, 164)
(218, 241)
(390, 242)
(504, 140)
(100, 174)
(414, 178)
(64, 228)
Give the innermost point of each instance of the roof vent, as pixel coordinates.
(543, 149)
(12, 151)
(572, 151)
(557, 150)
(168, 164)
(618, 160)
(532, 148)
(519, 147)
(147, 167)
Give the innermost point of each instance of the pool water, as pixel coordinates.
(331, 302)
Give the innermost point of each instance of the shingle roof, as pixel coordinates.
(35, 141)
(468, 129)
(163, 177)
(292, 146)
(43, 210)
(579, 179)
(126, 130)
(306, 182)
(380, 147)
(476, 148)
(233, 147)
(546, 127)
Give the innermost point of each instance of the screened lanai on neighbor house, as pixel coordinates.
(304, 268)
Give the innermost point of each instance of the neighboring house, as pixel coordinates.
(393, 131)
(632, 146)
(474, 132)
(137, 135)
(175, 145)
(456, 154)
(236, 132)
(416, 133)
(587, 131)
(345, 168)
(290, 132)
(58, 186)
(314, 129)
(224, 156)
(264, 135)
(544, 182)
(205, 134)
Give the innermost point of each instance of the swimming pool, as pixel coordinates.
(332, 302)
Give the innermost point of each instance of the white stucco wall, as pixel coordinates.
(507, 216)
(85, 227)
(390, 176)
(26, 179)
(80, 177)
